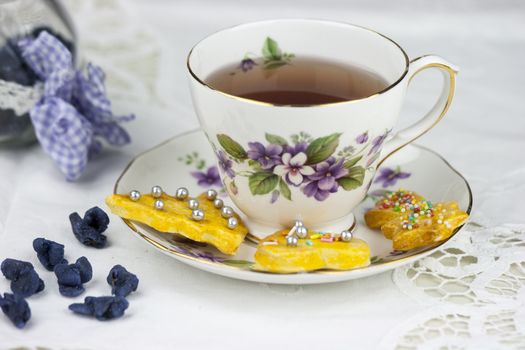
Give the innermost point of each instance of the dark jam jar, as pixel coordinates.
(19, 86)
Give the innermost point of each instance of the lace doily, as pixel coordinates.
(17, 97)
(476, 284)
(481, 268)
(450, 328)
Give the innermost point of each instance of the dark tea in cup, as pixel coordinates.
(303, 81)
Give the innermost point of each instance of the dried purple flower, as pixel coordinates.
(24, 279)
(102, 308)
(88, 230)
(49, 253)
(122, 281)
(72, 277)
(16, 308)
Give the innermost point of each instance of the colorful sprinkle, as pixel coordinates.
(407, 202)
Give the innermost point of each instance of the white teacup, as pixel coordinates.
(315, 163)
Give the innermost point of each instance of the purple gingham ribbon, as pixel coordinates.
(74, 111)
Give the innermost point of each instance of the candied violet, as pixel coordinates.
(11, 268)
(72, 277)
(16, 308)
(88, 230)
(24, 279)
(49, 253)
(122, 281)
(102, 308)
(97, 218)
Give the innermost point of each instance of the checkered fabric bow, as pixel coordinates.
(74, 111)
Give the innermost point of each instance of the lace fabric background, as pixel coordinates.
(476, 287)
(17, 97)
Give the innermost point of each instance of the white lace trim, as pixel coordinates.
(481, 268)
(450, 328)
(476, 283)
(17, 97)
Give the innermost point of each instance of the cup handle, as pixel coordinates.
(436, 113)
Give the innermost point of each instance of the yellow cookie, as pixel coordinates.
(176, 218)
(423, 227)
(447, 217)
(411, 221)
(312, 253)
(391, 206)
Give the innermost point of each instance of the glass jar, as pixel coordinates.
(18, 84)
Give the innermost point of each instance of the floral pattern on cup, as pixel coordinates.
(314, 166)
(386, 176)
(271, 57)
(207, 177)
(288, 169)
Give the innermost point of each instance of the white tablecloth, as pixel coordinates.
(143, 45)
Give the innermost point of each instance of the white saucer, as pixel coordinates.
(172, 163)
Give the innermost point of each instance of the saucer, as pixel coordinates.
(188, 160)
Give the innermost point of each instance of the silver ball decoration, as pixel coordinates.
(226, 212)
(301, 231)
(159, 204)
(211, 194)
(156, 191)
(298, 223)
(134, 195)
(193, 203)
(218, 203)
(197, 214)
(346, 236)
(182, 193)
(232, 222)
(291, 241)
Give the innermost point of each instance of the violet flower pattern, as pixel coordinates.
(324, 180)
(188, 250)
(294, 169)
(388, 176)
(377, 142)
(312, 167)
(205, 176)
(247, 64)
(268, 156)
(209, 178)
(226, 164)
(271, 57)
(200, 253)
(362, 138)
(296, 148)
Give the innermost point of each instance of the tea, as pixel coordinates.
(301, 82)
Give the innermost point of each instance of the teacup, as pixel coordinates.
(331, 150)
